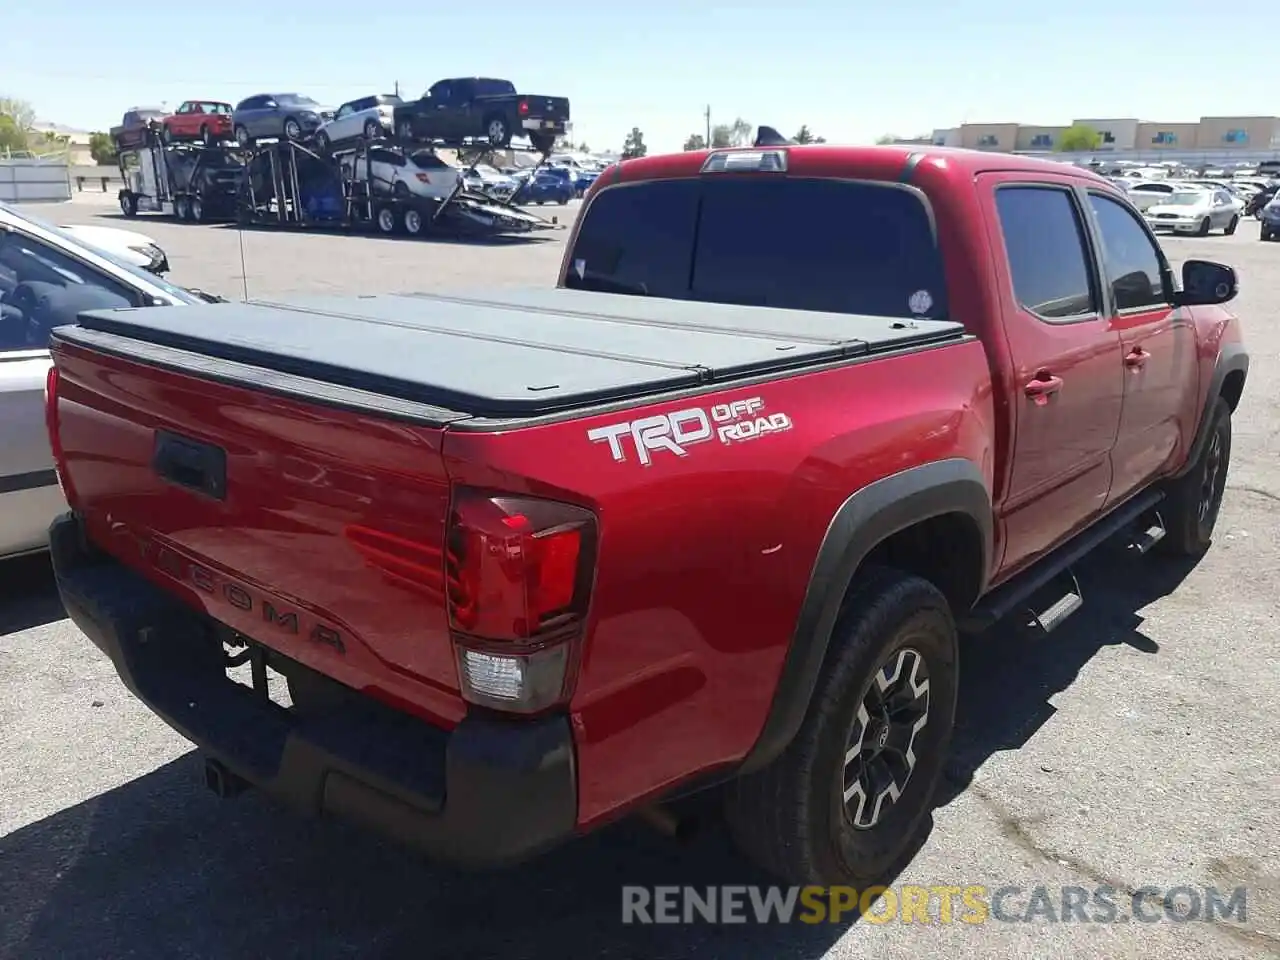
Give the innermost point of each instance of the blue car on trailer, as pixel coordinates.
(546, 186)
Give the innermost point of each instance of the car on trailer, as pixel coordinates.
(136, 127)
(266, 116)
(208, 121)
(368, 117)
(483, 110)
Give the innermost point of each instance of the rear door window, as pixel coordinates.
(793, 243)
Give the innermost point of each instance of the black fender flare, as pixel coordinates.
(864, 520)
(1232, 358)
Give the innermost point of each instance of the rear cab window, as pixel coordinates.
(839, 246)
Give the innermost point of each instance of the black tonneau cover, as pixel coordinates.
(512, 353)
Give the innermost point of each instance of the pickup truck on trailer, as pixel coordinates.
(711, 513)
(482, 109)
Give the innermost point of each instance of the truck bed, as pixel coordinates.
(502, 354)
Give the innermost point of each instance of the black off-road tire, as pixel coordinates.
(790, 816)
(1193, 501)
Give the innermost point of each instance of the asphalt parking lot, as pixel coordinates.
(1137, 746)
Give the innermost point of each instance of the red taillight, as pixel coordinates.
(524, 107)
(519, 576)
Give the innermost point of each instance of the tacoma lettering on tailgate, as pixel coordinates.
(675, 432)
(271, 612)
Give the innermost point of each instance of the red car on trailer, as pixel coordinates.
(205, 120)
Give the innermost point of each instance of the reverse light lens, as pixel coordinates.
(521, 683)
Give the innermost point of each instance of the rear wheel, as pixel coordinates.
(497, 130)
(405, 130)
(847, 799)
(1231, 226)
(372, 130)
(128, 204)
(1191, 507)
(292, 129)
(205, 136)
(242, 136)
(322, 142)
(1265, 234)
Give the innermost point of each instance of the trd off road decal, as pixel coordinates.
(675, 432)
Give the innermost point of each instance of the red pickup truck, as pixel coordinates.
(710, 513)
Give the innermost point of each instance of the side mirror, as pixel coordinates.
(1205, 282)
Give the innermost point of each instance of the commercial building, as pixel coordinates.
(1210, 138)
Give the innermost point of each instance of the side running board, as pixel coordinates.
(1054, 569)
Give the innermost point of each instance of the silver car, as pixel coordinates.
(1192, 210)
(47, 277)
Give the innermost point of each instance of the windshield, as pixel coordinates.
(178, 293)
(1187, 198)
(801, 244)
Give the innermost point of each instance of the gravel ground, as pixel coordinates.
(1137, 746)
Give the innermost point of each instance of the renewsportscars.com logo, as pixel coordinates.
(937, 904)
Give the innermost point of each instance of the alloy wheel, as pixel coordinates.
(880, 754)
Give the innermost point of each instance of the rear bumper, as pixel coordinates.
(488, 793)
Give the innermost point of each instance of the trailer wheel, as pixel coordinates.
(197, 210)
(128, 204)
(413, 222)
(385, 218)
(182, 208)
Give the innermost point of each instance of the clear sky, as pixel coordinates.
(849, 70)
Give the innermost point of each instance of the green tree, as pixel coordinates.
(805, 135)
(736, 134)
(888, 138)
(696, 141)
(1079, 137)
(634, 145)
(102, 149)
(16, 119)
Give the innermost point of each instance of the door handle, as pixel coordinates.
(1040, 388)
(1136, 358)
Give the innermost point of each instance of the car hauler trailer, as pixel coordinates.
(287, 183)
(189, 181)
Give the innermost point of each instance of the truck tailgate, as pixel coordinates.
(315, 532)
